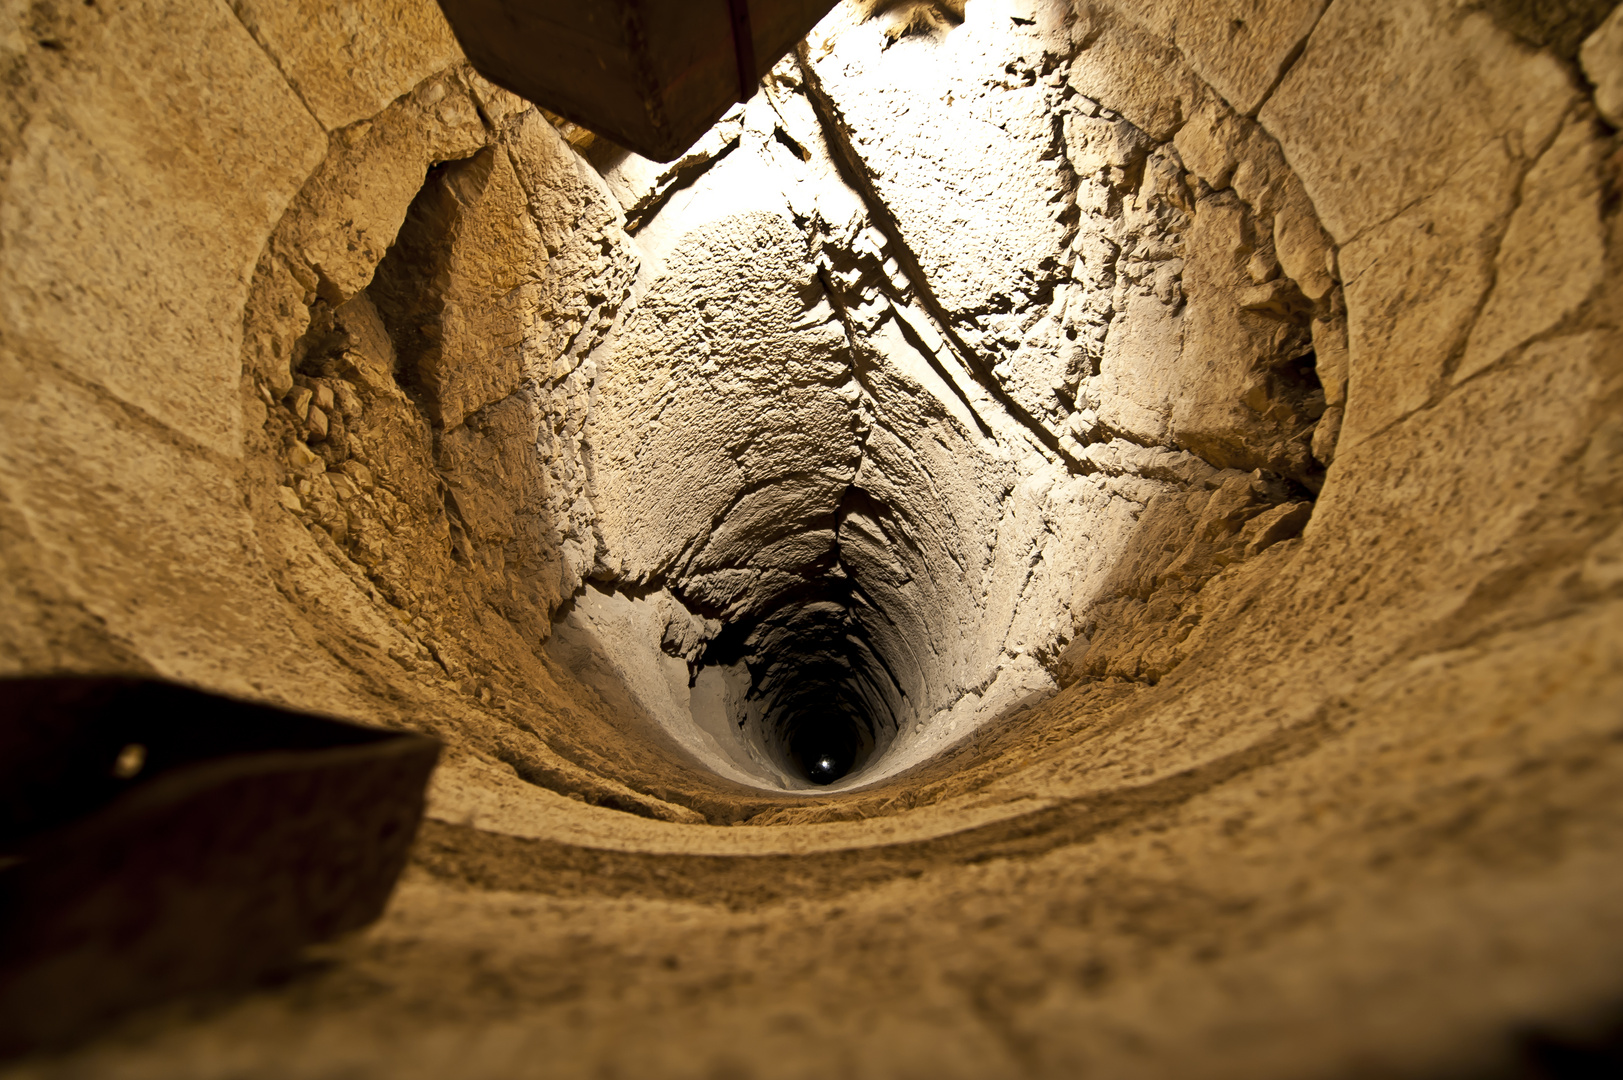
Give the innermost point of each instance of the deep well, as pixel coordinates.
(1062, 540)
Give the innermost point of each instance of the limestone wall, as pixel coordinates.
(1186, 432)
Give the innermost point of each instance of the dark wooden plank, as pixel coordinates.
(652, 75)
(156, 840)
(779, 25)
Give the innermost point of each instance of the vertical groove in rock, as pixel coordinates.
(854, 171)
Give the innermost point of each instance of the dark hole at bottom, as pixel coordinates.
(824, 748)
(1582, 1055)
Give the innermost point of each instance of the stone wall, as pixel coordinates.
(1186, 433)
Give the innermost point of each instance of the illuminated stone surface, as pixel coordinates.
(1181, 438)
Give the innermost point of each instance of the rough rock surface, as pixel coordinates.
(1181, 438)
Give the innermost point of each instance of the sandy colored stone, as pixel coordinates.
(589, 262)
(1332, 786)
(1553, 253)
(138, 199)
(1602, 59)
(1262, 177)
(1209, 141)
(183, 500)
(1381, 506)
(1330, 348)
(463, 289)
(950, 172)
(1093, 143)
(933, 445)
(347, 61)
(338, 228)
(700, 319)
(508, 526)
(1413, 287)
(1327, 433)
(1367, 148)
(1303, 249)
(1238, 404)
(1225, 149)
(347, 216)
(1239, 47)
(1139, 372)
(1142, 75)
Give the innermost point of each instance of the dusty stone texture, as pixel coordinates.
(141, 155)
(461, 288)
(1122, 210)
(1252, 402)
(137, 199)
(1414, 286)
(1241, 48)
(1601, 55)
(963, 208)
(293, 498)
(701, 476)
(1226, 150)
(1553, 253)
(1366, 149)
(1167, 722)
(1150, 604)
(340, 225)
(1141, 73)
(349, 60)
(428, 436)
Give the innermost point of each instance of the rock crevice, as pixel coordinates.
(1141, 343)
